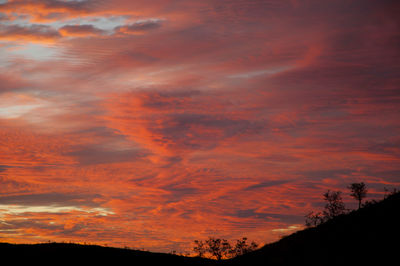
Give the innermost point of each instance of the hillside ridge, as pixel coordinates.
(360, 237)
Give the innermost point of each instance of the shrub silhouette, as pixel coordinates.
(334, 207)
(389, 193)
(242, 247)
(218, 248)
(358, 191)
(314, 219)
(199, 248)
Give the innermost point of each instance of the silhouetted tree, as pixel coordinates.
(334, 205)
(218, 248)
(358, 191)
(199, 248)
(242, 247)
(314, 219)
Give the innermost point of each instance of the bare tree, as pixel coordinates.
(199, 248)
(218, 248)
(242, 247)
(314, 219)
(334, 205)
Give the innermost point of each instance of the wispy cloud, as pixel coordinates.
(139, 27)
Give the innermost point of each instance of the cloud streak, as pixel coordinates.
(139, 27)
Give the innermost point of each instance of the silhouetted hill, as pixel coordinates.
(369, 236)
(75, 254)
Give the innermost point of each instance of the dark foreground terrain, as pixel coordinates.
(76, 254)
(369, 236)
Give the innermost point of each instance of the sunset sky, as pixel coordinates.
(150, 124)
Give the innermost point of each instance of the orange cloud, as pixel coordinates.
(47, 10)
(175, 122)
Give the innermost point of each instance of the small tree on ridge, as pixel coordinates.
(242, 247)
(334, 206)
(358, 191)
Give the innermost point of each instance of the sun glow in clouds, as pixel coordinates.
(17, 105)
(21, 209)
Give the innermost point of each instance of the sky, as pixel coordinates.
(150, 124)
